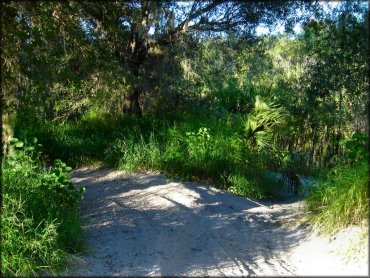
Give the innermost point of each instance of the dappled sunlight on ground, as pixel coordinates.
(145, 224)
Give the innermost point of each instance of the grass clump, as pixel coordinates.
(240, 185)
(40, 218)
(341, 198)
(27, 246)
(140, 155)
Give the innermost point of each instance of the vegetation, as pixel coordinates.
(186, 88)
(40, 220)
(341, 197)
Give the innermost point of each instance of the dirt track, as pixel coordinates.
(144, 224)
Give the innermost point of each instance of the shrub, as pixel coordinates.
(39, 212)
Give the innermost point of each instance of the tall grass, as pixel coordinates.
(40, 218)
(27, 246)
(341, 198)
(210, 149)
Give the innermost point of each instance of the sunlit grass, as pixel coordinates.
(341, 198)
(190, 148)
(39, 214)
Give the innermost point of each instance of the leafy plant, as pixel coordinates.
(357, 147)
(198, 143)
(23, 152)
(259, 126)
(40, 216)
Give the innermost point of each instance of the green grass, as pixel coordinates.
(341, 198)
(40, 217)
(240, 185)
(207, 148)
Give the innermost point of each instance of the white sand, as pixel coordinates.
(146, 225)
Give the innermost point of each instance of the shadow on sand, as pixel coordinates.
(144, 224)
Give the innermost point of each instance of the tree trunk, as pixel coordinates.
(131, 105)
(136, 51)
(339, 133)
(7, 123)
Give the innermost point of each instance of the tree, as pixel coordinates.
(336, 78)
(141, 31)
(46, 58)
(62, 46)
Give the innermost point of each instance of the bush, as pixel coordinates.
(39, 212)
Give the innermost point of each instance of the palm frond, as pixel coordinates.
(259, 126)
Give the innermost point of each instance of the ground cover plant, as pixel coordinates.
(341, 197)
(191, 148)
(40, 217)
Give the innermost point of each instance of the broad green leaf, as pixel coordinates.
(19, 144)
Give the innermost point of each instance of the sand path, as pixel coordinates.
(147, 225)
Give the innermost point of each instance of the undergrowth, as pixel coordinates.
(209, 149)
(40, 217)
(341, 196)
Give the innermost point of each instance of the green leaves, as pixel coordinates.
(359, 137)
(26, 155)
(15, 142)
(259, 125)
(23, 153)
(198, 142)
(68, 169)
(62, 166)
(357, 147)
(39, 212)
(19, 144)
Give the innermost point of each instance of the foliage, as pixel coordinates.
(198, 143)
(260, 124)
(27, 246)
(212, 101)
(184, 148)
(341, 198)
(357, 147)
(40, 218)
(240, 185)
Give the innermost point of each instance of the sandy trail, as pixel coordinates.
(147, 225)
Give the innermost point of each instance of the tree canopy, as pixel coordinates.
(152, 57)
